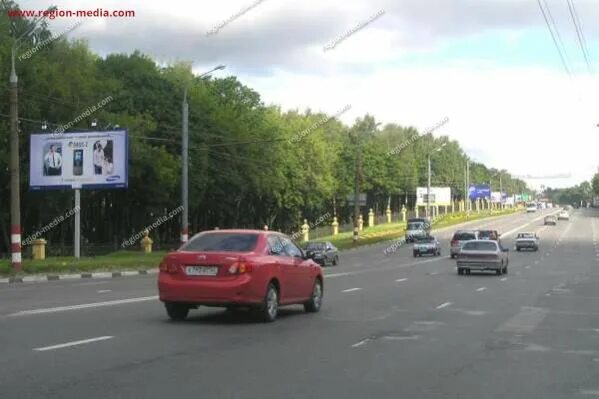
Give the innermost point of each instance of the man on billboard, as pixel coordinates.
(52, 162)
(98, 158)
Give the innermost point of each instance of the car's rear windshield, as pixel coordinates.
(222, 242)
(525, 235)
(415, 226)
(315, 246)
(425, 239)
(480, 246)
(464, 236)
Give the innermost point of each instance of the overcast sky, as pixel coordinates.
(490, 66)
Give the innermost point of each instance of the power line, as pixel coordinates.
(553, 36)
(579, 34)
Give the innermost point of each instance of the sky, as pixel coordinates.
(489, 66)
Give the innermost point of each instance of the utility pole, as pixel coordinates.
(184, 168)
(428, 188)
(15, 200)
(468, 185)
(357, 190)
(500, 192)
(185, 159)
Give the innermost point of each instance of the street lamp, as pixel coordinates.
(428, 186)
(185, 159)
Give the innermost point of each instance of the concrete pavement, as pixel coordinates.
(391, 326)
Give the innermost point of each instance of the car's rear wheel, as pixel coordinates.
(315, 302)
(336, 260)
(176, 311)
(518, 249)
(452, 256)
(270, 306)
(460, 271)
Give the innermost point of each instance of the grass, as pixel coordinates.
(130, 260)
(121, 260)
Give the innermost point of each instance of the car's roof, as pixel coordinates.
(526, 232)
(466, 231)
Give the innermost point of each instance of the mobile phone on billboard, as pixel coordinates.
(77, 162)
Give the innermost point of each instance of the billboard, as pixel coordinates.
(439, 196)
(85, 160)
(498, 197)
(477, 191)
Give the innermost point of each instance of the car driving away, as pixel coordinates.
(482, 255)
(416, 228)
(488, 235)
(459, 238)
(527, 241)
(427, 245)
(531, 207)
(322, 252)
(563, 215)
(258, 269)
(550, 220)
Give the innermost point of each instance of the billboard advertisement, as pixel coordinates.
(498, 197)
(85, 160)
(439, 196)
(479, 191)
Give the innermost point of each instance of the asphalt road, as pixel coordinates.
(392, 326)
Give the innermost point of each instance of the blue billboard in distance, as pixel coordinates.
(477, 191)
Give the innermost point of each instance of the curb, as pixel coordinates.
(80, 276)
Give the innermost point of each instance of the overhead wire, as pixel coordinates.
(579, 34)
(553, 35)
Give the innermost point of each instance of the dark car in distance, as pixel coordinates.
(322, 252)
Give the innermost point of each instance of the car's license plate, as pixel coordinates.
(201, 270)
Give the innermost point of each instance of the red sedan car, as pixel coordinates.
(239, 268)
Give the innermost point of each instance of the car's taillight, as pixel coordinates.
(168, 267)
(454, 243)
(240, 267)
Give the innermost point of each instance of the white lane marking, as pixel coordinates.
(525, 321)
(443, 305)
(84, 306)
(336, 275)
(593, 392)
(103, 291)
(433, 273)
(527, 267)
(481, 289)
(357, 344)
(73, 343)
(352, 289)
(400, 280)
(503, 279)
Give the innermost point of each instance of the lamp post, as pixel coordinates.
(185, 160)
(428, 185)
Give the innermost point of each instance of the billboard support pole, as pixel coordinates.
(77, 239)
